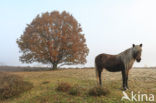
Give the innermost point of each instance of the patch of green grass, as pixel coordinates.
(75, 90)
(45, 82)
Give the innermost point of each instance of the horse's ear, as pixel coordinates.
(133, 45)
(140, 45)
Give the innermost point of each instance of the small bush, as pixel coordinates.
(63, 86)
(98, 91)
(12, 85)
(75, 90)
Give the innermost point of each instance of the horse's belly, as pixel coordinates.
(113, 69)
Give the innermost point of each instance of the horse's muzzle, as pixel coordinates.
(138, 60)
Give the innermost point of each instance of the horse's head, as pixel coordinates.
(137, 49)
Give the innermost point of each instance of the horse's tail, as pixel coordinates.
(96, 72)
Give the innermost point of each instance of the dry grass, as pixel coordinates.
(98, 91)
(143, 80)
(12, 85)
(68, 88)
(75, 90)
(63, 86)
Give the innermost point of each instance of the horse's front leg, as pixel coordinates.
(127, 72)
(127, 82)
(124, 79)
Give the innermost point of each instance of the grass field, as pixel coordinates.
(45, 83)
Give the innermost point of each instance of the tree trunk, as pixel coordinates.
(54, 67)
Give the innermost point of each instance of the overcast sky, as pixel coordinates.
(110, 26)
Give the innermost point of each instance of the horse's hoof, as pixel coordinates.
(124, 88)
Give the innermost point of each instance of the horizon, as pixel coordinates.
(109, 26)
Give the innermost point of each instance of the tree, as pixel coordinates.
(53, 38)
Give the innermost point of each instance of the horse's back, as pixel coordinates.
(110, 62)
(103, 57)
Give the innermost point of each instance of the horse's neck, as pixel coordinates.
(127, 58)
(130, 64)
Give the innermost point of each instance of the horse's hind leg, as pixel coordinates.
(99, 75)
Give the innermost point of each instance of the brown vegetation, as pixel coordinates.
(67, 87)
(142, 80)
(98, 91)
(12, 85)
(63, 86)
(53, 38)
(75, 90)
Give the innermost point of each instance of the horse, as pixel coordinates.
(121, 62)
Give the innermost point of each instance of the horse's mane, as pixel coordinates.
(126, 52)
(127, 57)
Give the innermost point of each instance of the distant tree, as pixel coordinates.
(53, 38)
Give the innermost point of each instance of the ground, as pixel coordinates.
(45, 83)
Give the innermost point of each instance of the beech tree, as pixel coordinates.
(53, 38)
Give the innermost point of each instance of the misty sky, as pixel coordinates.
(110, 26)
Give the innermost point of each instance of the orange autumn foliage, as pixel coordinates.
(53, 38)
